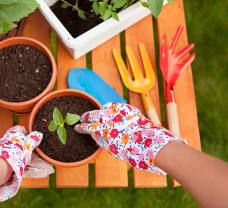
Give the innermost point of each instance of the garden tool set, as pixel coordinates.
(172, 64)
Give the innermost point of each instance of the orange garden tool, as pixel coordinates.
(139, 84)
(172, 65)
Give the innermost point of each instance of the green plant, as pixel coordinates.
(74, 7)
(106, 9)
(12, 11)
(57, 124)
(110, 8)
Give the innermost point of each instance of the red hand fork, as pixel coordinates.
(172, 65)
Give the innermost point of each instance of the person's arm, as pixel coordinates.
(205, 177)
(122, 130)
(6, 171)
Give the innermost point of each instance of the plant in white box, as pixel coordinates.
(85, 24)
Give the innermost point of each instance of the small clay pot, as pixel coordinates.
(25, 107)
(53, 95)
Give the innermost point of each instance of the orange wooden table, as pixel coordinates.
(110, 172)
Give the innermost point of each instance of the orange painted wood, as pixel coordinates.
(72, 177)
(143, 31)
(6, 118)
(37, 27)
(65, 62)
(33, 23)
(79, 176)
(32, 182)
(35, 182)
(170, 18)
(109, 172)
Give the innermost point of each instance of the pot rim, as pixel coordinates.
(45, 99)
(52, 62)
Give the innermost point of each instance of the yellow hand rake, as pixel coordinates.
(139, 84)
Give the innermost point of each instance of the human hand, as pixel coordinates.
(124, 131)
(16, 148)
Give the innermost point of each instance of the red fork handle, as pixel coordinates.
(169, 95)
(172, 117)
(171, 110)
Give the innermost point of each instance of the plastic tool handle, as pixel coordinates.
(150, 108)
(173, 120)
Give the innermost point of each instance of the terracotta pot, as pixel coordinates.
(56, 94)
(23, 107)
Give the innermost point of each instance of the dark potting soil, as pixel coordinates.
(24, 73)
(70, 19)
(78, 146)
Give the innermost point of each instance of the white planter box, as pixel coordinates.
(99, 34)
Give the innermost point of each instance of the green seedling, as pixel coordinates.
(105, 9)
(58, 123)
(74, 7)
(110, 8)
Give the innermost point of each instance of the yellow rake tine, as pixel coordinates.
(126, 77)
(149, 71)
(134, 64)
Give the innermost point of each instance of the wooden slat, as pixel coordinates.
(37, 27)
(6, 121)
(79, 176)
(35, 21)
(143, 31)
(72, 177)
(32, 182)
(35, 182)
(171, 17)
(109, 172)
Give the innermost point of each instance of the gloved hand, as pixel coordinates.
(16, 148)
(127, 134)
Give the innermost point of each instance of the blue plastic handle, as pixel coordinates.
(88, 81)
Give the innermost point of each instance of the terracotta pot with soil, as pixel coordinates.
(79, 148)
(27, 72)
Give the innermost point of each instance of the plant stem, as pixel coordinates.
(76, 3)
(74, 6)
(67, 3)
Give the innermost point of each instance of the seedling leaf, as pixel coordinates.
(107, 14)
(115, 16)
(155, 6)
(72, 119)
(52, 127)
(57, 117)
(119, 3)
(61, 131)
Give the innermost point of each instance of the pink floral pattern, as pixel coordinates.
(125, 132)
(16, 149)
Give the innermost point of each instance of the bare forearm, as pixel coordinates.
(6, 171)
(205, 177)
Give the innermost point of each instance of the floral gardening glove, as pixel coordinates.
(16, 148)
(127, 134)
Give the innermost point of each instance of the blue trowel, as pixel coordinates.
(88, 81)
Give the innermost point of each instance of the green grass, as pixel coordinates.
(207, 27)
